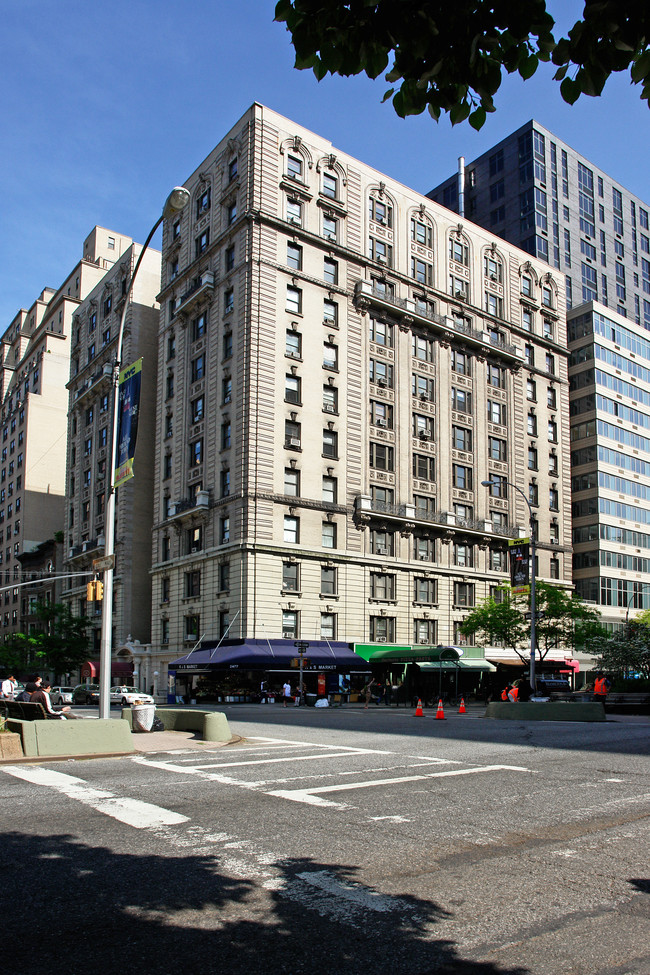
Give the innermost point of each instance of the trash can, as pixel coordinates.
(143, 715)
(310, 700)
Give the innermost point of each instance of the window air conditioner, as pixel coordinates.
(380, 639)
(381, 382)
(459, 294)
(287, 635)
(423, 641)
(380, 259)
(380, 422)
(381, 550)
(294, 441)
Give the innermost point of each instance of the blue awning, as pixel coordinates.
(269, 655)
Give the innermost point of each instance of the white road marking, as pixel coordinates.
(133, 812)
(393, 819)
(312, 797)
(285, 758)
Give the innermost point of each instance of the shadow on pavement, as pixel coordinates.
(70, 907)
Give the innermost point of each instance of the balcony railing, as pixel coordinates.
(409, 513)
(386, 298)
(188, 506)
(200, 286)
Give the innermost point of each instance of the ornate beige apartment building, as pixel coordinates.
(342, 362)
(94, 338)
(33, 375)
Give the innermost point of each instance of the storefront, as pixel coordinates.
(238, 671)
(429, 672)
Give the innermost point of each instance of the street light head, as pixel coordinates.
(487, 483)
(177, 199)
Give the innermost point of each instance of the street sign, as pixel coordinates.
(539, 615)
(103, 564)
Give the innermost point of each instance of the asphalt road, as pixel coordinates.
(328, 841)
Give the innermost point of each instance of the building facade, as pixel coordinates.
(341, 363)
(33, 377)
(537, 192)
(94, 338)
(541, 194)
(610, 461)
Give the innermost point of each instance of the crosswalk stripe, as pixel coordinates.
(132, 812)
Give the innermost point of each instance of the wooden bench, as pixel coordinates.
(26, 711)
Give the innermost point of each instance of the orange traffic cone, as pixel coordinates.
(461, 709)
(440, 714)
(419, 713)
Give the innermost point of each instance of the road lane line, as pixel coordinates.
(274, 761)
(132, 812)
(309, 795)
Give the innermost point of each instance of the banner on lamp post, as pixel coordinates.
(128, 407)
(519, 564)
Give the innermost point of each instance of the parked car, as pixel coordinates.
(129, 695)
(61, 695)
(86, 694)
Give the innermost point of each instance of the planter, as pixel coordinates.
(10, 745)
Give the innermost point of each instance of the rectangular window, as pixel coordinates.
(290, 577)
(381, 372)
(381, 333)
(424, 467)
(461, 400)
(198, 367)
(462, 477)
(294, 256)
(330, 228)
(496, 412)
(293, 345)
(294, 300)
(382, 585)
(330, 271)
(328, 534)
(328, 586)
(330, 444)
(497, 449)
(330, 186)
(330, 356)
(461, 438)
(382, 457)
(330, 489)
(294, 212)
(463, 594)
(292, 387)
(291, 529)
(291, 482)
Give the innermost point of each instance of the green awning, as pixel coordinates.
(466, 665)
(376, 653)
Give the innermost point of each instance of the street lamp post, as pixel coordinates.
(177, 199)
(533, 610)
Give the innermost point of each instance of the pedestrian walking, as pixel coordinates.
(8, 688)
(286, 691)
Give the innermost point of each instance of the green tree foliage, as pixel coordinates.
(500, 623)
(627, 652)
(60, 645)
(564, 621)
(450, 57)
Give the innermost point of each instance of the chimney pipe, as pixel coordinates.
(461, 186)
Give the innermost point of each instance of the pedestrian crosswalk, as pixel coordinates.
(320, 775)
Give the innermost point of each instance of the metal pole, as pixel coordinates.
(533, 606)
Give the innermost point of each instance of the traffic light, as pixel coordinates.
(94, 591)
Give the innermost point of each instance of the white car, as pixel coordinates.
(128, 695)
(61, 695)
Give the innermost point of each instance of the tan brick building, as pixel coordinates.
(341, 363)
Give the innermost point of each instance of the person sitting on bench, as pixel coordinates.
(42, 696)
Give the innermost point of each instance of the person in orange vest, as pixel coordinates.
(513, 694)
(504, 693)
(601, 688)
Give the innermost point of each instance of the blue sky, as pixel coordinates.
(105, 106)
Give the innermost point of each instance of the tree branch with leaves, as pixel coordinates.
(450, 58)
